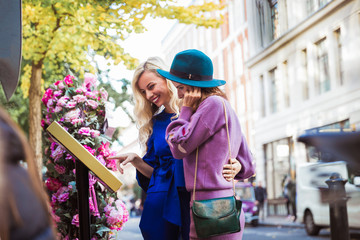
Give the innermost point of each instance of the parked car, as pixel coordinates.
(245, 192)
(312, 202)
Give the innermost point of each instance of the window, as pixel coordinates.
(314, 5)
(275, 19)
(310, 6)
(304, 75)
(286, 85)
(339, 57)
(262, 95)
(260, 11)
(274, 90)
(239, 15)
(278, 155)
(322, 81)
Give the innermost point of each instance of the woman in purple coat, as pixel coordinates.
(201, 124)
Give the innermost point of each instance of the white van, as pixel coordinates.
(312, 210)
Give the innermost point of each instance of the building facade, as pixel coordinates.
(304, 67)
(291, 67)
(227, 46)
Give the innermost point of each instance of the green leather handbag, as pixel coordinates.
(216, 216)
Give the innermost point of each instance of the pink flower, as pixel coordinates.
(62, 101)
(77, 120)
(81, 90)
(69, 80)
(47, 95)
(58, 93)
(75, 220)
(43, 123)
(71, 104)
(101, 159)
(79, 98)
(48, 118)
(84, 131)
(111, 164)
(63, 197)
(53, 145)
(116, 216)
(57, 153)
(58, 109)
(94, 133)
(50, 103)
(90, 95)
(53, 184)
(59, 84)
(104, 149)
(60, 169)
(89, 80)
(92, 103)
(69, 116)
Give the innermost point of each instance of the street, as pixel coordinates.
(262, 232)
(131, 231)
(294, 233)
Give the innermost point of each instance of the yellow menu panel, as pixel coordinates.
(59, 134)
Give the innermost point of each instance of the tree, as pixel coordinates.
(56, 32)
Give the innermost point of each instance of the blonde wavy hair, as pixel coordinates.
(145, 110)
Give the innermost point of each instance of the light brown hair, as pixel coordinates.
(14, 147)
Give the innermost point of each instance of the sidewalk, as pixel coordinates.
(131, 230)
(281, 221)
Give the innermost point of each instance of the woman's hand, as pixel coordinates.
(229, 173)
(191, 96)
(135, 160)
(124, 159)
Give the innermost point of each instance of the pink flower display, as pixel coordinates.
(80, 109)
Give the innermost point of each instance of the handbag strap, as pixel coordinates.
(197, 154)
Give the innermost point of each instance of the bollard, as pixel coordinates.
(339, 224)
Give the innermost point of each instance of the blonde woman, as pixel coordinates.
(166, 208)
(24, 205)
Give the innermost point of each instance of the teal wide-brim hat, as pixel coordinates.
(192, 67)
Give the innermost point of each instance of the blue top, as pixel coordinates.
(168, 174)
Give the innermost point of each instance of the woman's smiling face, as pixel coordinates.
(154, 89)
